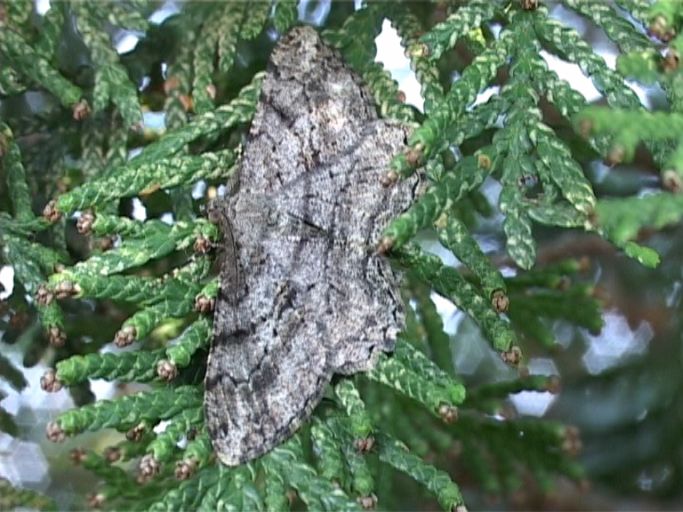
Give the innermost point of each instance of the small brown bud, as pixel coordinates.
(529, 5)
(202, 245)
(442, 221)
(66, 289)
(367, 502)
(56, 337)
(44, 296)
(414, 155)
(512, 356)
(77, 455)
(204, 304)
(571, 444)
(484, 161)
(49, 381)
(81, 110)
(51, 213)
(125, 336)
(389, 179)
(448, 413)
(85, 222)
(418, 50)
(149, 466)
(401, 97)
(364, 444)
(54, 432)
(585, 127)
(385, 245)
(171, 83)
(136, 433)
(616, 155)
(184, 469)
(112, 453)
(672, 181)
(186, 102)
(105, 243)
(96, 500)
(660, 28)
(500, 301)
(166, 370)
(670, 62)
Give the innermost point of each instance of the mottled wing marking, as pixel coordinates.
(316, 298)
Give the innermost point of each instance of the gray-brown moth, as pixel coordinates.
(303, 293)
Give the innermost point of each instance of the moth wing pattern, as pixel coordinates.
(316, 298)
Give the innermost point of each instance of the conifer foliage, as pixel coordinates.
(91, 278)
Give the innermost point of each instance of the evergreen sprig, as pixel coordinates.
(151, 279)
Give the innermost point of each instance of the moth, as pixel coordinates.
(303, 294)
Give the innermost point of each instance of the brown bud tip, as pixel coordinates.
(186, 102)
(554, 384)
(149, 466)
(389, 179)
(670, 62)
(43, 295)
(56, 337)
(364, 444)
(448, 413)
(414, 156)
(125, 336)
(616, 155)
(672, 180)
(66, 289)
(385, 245)
(184, 469)
(660, 28)
(171, 83)
(418, 50)
(49, 381)
(136, 433)
(401, 97)
(80, 110)
(85, 222)
(585, 127)
(529, 5)
(77, 455)
(50, 212)
(571, 444)
(112, 454)
(96, 500)
(204, 304)
(202, 245)
(500, 301)
(367, 502)
(442, 221)
(512, 356)
(166, 370)
(105, 243)
(484, 161)
(54, 432)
